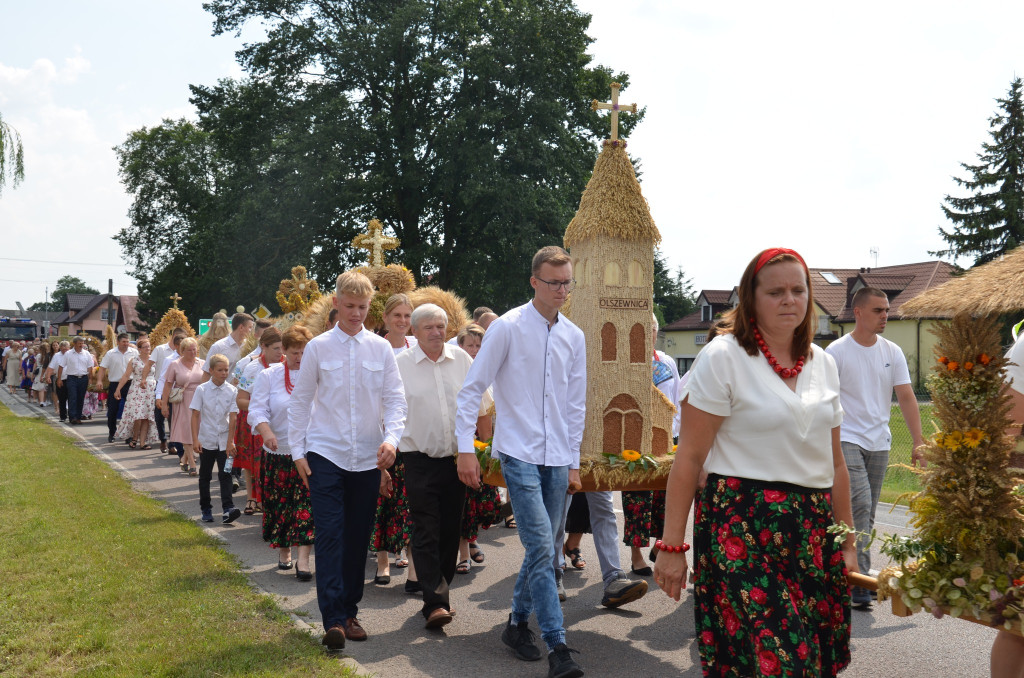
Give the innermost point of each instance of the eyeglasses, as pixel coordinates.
(553, 285)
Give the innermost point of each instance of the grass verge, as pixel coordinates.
(100, 580)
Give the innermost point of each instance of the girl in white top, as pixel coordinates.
(287, 515)
(249, 445)
(761, 413)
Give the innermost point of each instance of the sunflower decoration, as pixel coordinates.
(631, 460)
(295, 294)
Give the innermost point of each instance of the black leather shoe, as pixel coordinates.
(413, 586)
(303, 575)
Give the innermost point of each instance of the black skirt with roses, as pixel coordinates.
(769, 581)
(287, 514)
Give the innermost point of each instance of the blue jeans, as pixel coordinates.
(77, 386)
(538, 501)
(867, 472)
(344, 506)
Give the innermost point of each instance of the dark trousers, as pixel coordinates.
(344, 507)
(206, 460)
(115, 407)
(62, 398)
(77, 386)
(436, 497)
(158, 417)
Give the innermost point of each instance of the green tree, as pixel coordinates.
(12, 156)
(464, 126)
(67, 284)
(991, 221)
(673, 294)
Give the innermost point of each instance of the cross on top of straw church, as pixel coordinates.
(175, 299)
(375, 242)
(615, 107)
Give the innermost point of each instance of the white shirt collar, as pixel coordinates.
(419, 355)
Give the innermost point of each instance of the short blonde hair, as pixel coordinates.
(217, 359)
(187, 343)
(396, 300)
(354, 284)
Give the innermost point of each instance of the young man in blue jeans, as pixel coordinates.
(536, 360)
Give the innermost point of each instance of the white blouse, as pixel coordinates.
(269, 404)
(770, 433)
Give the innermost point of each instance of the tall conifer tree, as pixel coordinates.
(991, 221)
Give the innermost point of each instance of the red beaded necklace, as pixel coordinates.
(406, 339)
(784, 372)
(287, 380)
(263, 360)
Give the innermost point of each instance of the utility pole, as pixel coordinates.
(111, 320)
(46, 311)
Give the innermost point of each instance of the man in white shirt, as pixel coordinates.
(116, 366)
(214, 418)
(345, 418)
(536, 360)
(53, 375)
(163, 354)
(432, 375)
(231, 345)
(75, 371)
(870, 368)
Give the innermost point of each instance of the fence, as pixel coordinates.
(899, 480)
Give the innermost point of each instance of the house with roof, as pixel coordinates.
(833, 291)
(87, 314)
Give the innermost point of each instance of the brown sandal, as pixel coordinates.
(250, 507)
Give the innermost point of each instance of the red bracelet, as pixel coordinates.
(662, 546)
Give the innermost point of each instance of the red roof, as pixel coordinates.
(902, 283)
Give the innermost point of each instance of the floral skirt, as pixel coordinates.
(770, 583)
(482, 509)
(287, 514)
(645, 517)
(249, 451)
(392, 527)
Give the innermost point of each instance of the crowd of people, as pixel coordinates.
(359, 444)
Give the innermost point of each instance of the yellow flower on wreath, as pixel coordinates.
(953, 441)
(974, 437)
(631, 455)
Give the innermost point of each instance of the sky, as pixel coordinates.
(828, 128)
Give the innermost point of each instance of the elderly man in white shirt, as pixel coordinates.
(231, 345)
(345, 420)
(432, 374)
(536, 359)
(115, 366)
(54, 373)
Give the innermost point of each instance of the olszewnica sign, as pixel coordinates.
(625, 304)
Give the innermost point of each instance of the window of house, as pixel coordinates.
(705, 313)
(103, 314)
(823, 325)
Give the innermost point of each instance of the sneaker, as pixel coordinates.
(207, 515)
(230, 515)
(520, 638)
(623, 590)
(561, 664)
(559, 586)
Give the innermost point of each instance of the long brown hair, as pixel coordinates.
(737, 321)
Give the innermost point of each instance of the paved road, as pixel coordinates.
(652, 637)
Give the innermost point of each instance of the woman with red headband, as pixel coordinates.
(761, 414)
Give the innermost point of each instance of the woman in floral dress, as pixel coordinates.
(392, 530)
(761, 414)
(248, 443)
(137, 419)
(287, 514)
(483, 506)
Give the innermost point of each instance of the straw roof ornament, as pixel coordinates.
(295, 294)
(992, 288)
(612, 203)
(174, 317)
(375, 242)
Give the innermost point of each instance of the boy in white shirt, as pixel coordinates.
(214, 417)
(345, 418)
